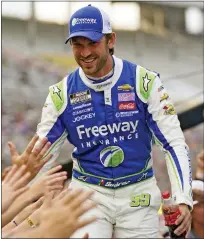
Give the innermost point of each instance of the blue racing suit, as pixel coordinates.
(112, 125)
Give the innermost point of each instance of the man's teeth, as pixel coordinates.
(89, 61)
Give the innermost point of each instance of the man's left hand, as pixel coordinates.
(184, 220)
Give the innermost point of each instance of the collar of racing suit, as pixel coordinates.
(107, 84)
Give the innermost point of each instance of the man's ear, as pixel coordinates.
(112, 41)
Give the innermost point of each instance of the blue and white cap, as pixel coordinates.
(90, 22)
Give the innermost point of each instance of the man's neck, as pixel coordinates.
(101, 78)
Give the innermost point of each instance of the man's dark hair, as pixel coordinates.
(108, 37)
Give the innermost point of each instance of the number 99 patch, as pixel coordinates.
(142, 200)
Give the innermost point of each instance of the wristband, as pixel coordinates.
(30, 222)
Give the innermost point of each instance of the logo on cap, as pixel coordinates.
(74, 21)
(83, 21)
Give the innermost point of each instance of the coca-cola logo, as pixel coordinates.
(127, 106)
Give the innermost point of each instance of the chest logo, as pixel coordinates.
(129, 96)
(125, 87)
(127, 106)
(112, 156)
(80, 97)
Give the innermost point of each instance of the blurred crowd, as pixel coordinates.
(25, 82)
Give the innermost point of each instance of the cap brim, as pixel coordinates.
(93, 36)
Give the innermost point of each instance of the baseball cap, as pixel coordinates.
(90, 22)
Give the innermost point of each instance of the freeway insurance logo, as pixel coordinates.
(112, 156)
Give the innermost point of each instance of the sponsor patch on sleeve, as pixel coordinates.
(169, 110)
(56, 93)
(161, 88)
(146, 80)
(165, 96)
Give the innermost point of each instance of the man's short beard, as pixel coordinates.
(99, 66)
(103, 60)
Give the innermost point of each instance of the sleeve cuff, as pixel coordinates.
(183, 199)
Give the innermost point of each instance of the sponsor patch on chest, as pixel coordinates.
(80, 97)
(130, 96)
(125, 87)
(127, 106)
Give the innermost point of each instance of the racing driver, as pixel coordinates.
(112, 111)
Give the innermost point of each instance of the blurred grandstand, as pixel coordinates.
(156, 35)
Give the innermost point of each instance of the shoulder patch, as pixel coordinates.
(145, 80)
(57, 94)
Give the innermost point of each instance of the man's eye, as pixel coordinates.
(93, 42)
(76, 44)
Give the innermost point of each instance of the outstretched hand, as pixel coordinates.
(61, 216)
(5, 172)
(49, 181)
(13, 185)
(33, 155)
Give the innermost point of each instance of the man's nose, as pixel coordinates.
(85, 52)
